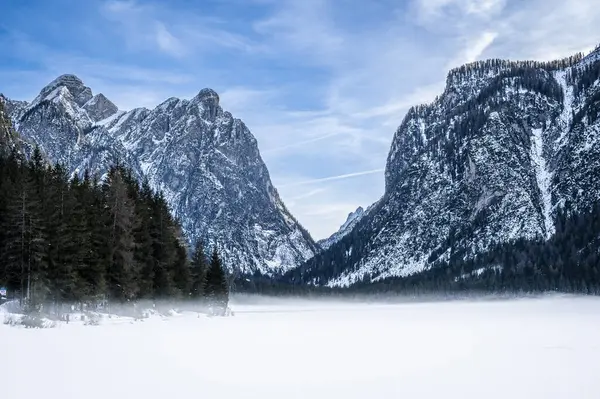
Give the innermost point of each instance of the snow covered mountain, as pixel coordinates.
(204, 160)
(491, 160)
(351, 220)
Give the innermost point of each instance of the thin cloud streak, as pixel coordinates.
(331, 178)
(299, 143)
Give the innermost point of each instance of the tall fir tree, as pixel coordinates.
(181, 270)
(121, 271)
(143, 253)
(217, 290)
(162, 249)
(62, 251)
(198, 272)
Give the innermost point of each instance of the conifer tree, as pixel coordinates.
(121, 271)
(198, 271)
(163, 251)
(181, 271)
(62, 251)
(143, 253)
(88, 280)
(217, 290)
(98, 221)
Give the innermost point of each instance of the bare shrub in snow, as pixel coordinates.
(13, 319)
(91, 319)
(37, 321)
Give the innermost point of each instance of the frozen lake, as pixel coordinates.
(526, 348)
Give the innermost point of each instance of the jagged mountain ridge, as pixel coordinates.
(351, 220)
(489, 161)
(204, 160)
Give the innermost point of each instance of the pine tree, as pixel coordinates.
(198, 271)
(121, 272)
(98, 259)
(181, 271)
(62, 251)
(82, 257)
(143, 253)
(217, 290)
(163, 250)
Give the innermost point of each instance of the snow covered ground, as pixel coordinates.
(525, 348)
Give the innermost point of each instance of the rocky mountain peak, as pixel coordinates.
(208, 94)
(351, 221)
(351, 216)
(80, 92)
(209, 99)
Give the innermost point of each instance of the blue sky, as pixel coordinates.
(322, 84)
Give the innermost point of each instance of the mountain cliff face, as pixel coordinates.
(491, 160)
(204, 160)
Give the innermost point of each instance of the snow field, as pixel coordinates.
(527, 348)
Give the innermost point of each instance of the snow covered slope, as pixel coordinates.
(204, 160)
(489, 161)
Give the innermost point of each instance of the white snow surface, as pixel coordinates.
(522, 348)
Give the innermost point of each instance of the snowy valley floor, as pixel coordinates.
(524, 348)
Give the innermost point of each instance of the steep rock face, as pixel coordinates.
(99, 107)
(489, 161)
(205, 162)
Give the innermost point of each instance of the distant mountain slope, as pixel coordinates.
(204, 160)
(344, 229)
(491, 160)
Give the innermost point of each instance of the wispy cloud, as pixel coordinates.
(331, 178)
(175, 32)
(435, 11)
(473, 49)
(167, 42)
(298, 144)
(287, 28)
(308, 194)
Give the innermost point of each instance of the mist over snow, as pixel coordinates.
(522, 348)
